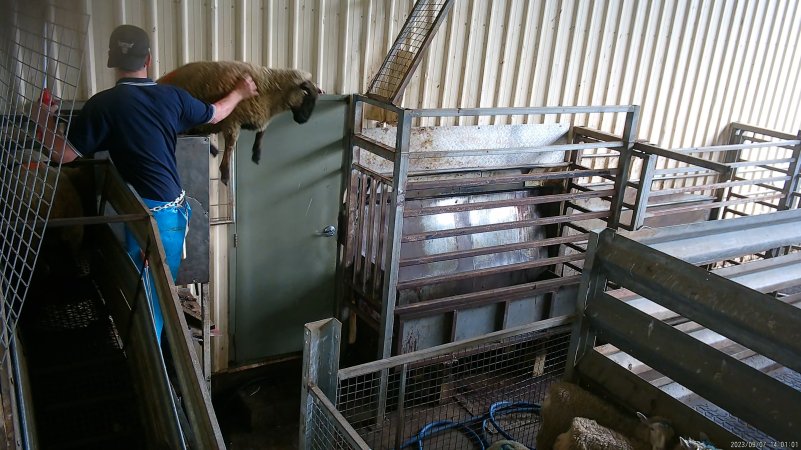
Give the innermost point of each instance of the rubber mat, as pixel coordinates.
(745, 431)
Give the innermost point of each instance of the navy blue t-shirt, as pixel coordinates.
(138, 122)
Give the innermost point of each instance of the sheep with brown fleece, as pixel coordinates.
(279, 90)
(566, 401)
(587, 434)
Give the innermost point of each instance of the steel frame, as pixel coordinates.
(728, 174)
(375, 228)
(323, 378)
(118, 280)
(730, 309)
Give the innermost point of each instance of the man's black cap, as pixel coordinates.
(128, 48)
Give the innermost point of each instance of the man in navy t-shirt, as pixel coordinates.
(138, 122)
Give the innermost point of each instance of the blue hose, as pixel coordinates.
(497, 408)
(508, 408)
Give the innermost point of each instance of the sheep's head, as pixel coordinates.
(302, 101)
(661, 432)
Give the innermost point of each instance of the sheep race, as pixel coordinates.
(279, 90)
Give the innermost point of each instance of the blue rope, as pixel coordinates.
(497, 408)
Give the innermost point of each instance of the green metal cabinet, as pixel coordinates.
(284, 264)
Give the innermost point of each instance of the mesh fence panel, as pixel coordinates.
(328, 433)
(412, 41)
(444, 402)
(41, 55)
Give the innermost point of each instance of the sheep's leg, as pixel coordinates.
(256, 157)
(230, 143)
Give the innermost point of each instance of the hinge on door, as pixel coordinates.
(236, 240)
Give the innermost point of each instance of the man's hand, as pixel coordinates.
(44, 115)
(45, 111)
(246, 88)
(243, 90)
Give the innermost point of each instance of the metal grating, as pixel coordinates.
(82, 393)
(444, 401)
(41, 48)
(407, 51)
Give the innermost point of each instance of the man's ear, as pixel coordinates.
(148, 60)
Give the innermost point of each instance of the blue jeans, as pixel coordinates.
(172, 223)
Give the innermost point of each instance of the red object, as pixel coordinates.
(47, 98)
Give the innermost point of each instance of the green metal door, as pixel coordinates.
(284, 263)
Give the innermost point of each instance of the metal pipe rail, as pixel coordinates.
(118, 279)
(730, 183)
(720, 305)
(397, 205)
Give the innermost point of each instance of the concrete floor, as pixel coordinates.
(259, 408)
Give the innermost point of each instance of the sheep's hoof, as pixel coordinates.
(224, 179)
(256, 158)
(214, 150)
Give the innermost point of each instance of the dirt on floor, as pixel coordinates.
(259, 408)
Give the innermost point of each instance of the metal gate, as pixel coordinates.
(41, 56)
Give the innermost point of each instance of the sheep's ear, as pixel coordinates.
(642, 417)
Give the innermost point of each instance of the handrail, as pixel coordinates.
(204, 428)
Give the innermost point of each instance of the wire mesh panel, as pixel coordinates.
(469, 397)
(41, 55)
(415, 37)
(329, 430)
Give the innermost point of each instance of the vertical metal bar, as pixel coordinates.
(399, 414)
(735, 137)
(392, 250)
(379, 269)
(593, 282)
(393, 244)
(361, 214)
(624, 166)
(320, 365)
(644, 192)
(204, 312)
(791, 185)
(369, 215)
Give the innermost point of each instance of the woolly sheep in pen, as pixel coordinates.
(565, 401)
(587, 434)
(507, 445)
(279, 90)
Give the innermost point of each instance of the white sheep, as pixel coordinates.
(279, 90)
(587, 434)
(565, 401)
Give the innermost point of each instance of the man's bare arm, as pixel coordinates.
(244, 90)
(51, 137)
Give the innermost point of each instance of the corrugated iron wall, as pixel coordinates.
(693, 66)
